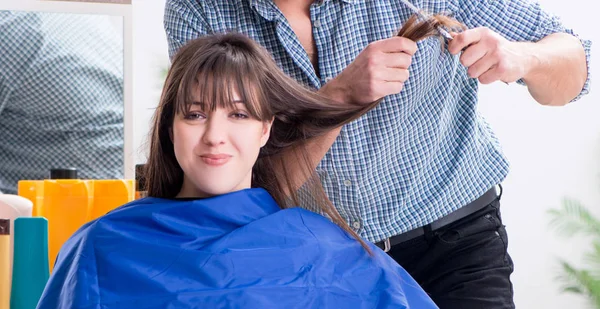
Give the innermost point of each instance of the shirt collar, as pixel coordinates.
(267, 8)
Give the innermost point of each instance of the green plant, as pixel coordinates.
(574, 219)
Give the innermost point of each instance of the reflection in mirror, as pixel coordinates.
(61, 96)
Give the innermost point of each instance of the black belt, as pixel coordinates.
(456, 215)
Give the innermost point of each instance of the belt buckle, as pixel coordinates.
(386, 245)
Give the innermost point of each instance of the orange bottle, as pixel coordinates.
(110, 194)
(67, 205)
(32, 190)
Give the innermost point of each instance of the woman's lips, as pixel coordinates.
(215, 159)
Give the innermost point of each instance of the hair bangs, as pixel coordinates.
(223, 82)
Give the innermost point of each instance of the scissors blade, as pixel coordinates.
(422, 15)
(444, 33)
(415, 9)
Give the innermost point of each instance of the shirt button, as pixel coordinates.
(356, 224)
(347, 183)
(317, 24)
(328, 79)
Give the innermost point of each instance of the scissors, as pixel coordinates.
(422, 15)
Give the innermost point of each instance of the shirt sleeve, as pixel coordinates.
(184, 20)
(517, 20)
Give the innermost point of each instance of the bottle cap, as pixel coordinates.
(63, 173)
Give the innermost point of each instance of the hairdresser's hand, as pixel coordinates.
(379, 70)
(490, 57)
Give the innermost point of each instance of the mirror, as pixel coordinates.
(61, 96)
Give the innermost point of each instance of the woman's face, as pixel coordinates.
(216, 150)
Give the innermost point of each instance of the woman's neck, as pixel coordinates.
(188, 191)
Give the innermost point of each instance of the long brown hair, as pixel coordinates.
(418, 30)
(218, 65)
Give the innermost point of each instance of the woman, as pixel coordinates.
(219, 229)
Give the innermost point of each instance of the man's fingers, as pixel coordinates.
(473, 54)
(396, 60)
(491, 75)
(395, 45)
(392, 75)
(392, 87)
(482, 66)
(464, 39)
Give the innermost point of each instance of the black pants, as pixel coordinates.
(463, 265)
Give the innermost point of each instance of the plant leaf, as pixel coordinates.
(573, 218)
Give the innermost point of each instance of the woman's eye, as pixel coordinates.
(239, 115)
(193, 115)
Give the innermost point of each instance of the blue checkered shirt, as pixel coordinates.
(420, 154)
(61, 96)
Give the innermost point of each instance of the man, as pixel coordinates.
(418, 174)
(61, 96)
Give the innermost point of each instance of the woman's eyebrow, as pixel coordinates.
(201, 104)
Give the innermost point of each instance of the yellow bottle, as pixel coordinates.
(67, 205)
(5, 271)
(11, 208)
(110, 194)
(32, 190)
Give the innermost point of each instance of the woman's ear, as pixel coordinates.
(266, 133)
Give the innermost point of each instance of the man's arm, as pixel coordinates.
(554, 68)
(516, 40)
(379, 70)
(558, 71)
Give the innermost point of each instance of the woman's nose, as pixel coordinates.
(215, 131)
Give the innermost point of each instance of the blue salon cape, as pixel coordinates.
(238, 250)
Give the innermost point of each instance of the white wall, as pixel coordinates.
(553, 152)
(150, 57)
